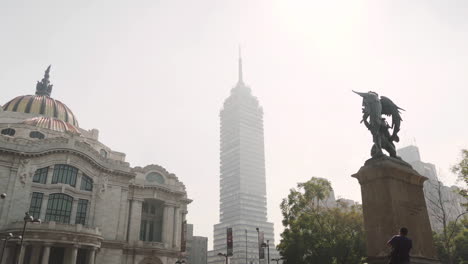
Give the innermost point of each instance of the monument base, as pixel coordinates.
(393, 197)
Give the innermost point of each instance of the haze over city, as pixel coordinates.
(152, 77)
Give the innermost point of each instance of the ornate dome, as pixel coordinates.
(42, 104)
(52, 124)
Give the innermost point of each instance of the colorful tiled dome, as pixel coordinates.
(42, 104)
(52, 124)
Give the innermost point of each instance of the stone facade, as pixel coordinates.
(393, 197)
(94, 207)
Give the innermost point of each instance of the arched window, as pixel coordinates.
(40, 176)
(103, 153)
(65, 174)
(86, 183)
(8, 132)
(36, 134)
(155, 177)
(59, 208)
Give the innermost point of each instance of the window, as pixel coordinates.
(103, 153)
(152, 219)
(143, 230)
(36, 134)
(65, 174)
(59, 208)
(8, 132)
(40, 176)
(81, 211)
(86, 183)
(155, 177)
(36, 203)
(151, 231)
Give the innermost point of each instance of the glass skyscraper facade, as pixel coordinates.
(243, 203)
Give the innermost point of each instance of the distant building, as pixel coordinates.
(243, 201)
(94, 207)
(197, 247)
(434, 191)
(347, 202)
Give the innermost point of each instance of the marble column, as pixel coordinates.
(22, 253)
(91, 255)
(6, 255)
(45, 200)
(74, 254)
(177, 227)
(73, 212)
(50, 174)
(45, 254)
(36, 252)
(78, 180)
(135, 220)
(168, 225)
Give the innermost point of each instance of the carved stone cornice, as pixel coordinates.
(55, 233)
(35, 148)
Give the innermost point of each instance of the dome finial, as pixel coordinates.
(44, 87)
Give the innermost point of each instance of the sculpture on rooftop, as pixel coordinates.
(373, 108)
(44, 87)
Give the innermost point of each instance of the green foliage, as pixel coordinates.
(453, 250)
(316, 234)
(461, 169)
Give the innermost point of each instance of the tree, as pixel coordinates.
(454, 233)
(458, 245)
(461, 169)
(461, 244)
(314, 233)
(444, 207)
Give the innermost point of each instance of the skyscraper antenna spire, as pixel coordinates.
(241, 79)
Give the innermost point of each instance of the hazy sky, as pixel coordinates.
(152, 77)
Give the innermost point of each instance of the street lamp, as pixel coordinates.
(27, 218)
(258, 239)
(180, 261)
(267, 245)
(3, 195)
(246, 252)
(277, 259)
(224, 255)
(8, 237)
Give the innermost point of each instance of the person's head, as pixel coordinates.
(403, 231)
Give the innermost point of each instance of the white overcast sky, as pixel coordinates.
(152, 77)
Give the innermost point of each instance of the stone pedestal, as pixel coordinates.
(393, 197)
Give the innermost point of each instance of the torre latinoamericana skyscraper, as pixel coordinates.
(243, 202)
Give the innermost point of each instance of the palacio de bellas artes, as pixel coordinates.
(67, 198)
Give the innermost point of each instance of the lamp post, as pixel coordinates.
(27, 218)
(8, 237)
(258, 241)
(246, 262)
(267, 245)
(277, 259)
(224, 255)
